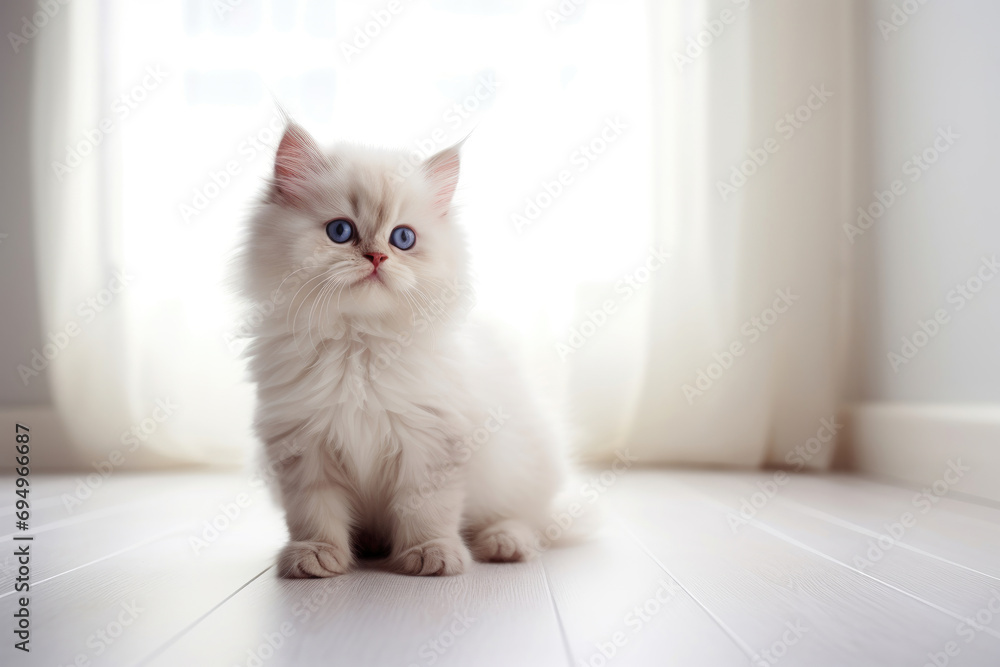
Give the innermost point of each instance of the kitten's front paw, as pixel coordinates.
(301, 560)
(435, 558)
(504, 542)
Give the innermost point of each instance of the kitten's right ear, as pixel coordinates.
(299, 160)
(442, 170)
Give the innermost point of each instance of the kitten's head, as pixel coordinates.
(343, 234)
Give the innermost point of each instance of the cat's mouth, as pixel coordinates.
(373, 277)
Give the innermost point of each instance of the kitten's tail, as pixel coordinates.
(575, 517)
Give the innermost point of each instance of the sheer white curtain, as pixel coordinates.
(591, 155)
(754, 175)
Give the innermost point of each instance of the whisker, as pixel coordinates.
(322, 278)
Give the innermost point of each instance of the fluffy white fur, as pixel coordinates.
(395, 429)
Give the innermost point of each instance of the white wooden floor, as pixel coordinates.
(669, 581)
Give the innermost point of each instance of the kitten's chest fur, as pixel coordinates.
(380, 409)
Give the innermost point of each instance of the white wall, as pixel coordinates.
(20, 331)
(939, 72)
(941, 69)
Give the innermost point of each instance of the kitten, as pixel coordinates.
(395, 429)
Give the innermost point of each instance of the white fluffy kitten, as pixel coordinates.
(395, 429)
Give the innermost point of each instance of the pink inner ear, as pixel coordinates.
(297, 156)
(443, 172)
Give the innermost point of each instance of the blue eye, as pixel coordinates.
(339, 231)
(403, 238)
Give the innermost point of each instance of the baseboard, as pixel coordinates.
(918, 443)
(50, 447)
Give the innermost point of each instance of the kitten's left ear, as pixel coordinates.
(442, 172)
(299, 159)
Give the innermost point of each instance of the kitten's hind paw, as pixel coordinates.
(506, 541)
(301, 560)
(435, 558)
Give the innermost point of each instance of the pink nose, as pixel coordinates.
(376, 258)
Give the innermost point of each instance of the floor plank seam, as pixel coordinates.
(729, 632)
(167, 644)
(91, 515)
(809, 510)
(805, 547)
(559, 620)
(138, 545)
(959, 496)
(861, 530)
